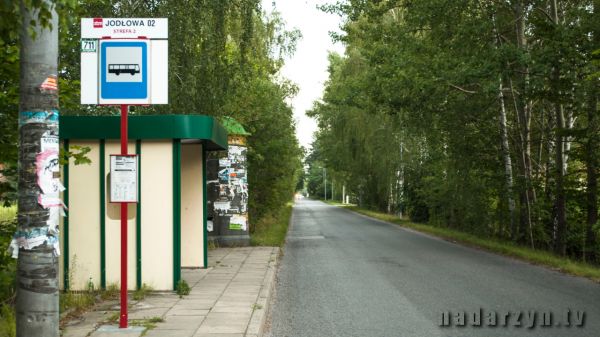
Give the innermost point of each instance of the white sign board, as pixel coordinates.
(124, 61)
(123, 178)
(119, 28)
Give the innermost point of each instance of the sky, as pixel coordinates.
(308, 66)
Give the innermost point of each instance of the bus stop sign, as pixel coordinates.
(124, 61)
(123, 69)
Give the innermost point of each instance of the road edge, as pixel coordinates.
(265, 330)
(471, 245)
(256, 326)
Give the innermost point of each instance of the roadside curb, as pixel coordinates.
(256, 327)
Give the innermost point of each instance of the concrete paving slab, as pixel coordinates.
(181, 323)
(187, 312)
(246, 308)
(225, 323)
(197, 303)
(202, 334)
(237, 287)
(169, 333)
(76, 332)
(233, 296)
(148, 313)
(228, 299)
(113, 330)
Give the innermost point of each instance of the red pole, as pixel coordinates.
(124, 141)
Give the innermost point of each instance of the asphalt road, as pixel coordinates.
(343, 274)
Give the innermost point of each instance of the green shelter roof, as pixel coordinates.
(196, 127)
(234, 127)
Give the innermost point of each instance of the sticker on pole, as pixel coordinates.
(123, 178)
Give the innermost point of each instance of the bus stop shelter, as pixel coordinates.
(167, 228)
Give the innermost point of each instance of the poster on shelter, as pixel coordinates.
(228, 189)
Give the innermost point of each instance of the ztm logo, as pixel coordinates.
(97, 22)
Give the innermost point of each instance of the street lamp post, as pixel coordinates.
(325, 183)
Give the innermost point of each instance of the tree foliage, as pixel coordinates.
(477, 115)
(224, 58)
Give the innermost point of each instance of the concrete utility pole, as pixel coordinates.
(325, 183)
(36, 240)
(332, 189)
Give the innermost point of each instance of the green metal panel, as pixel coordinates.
(102, 215)
(147, 127)
(204, 208)
(138, 219)
(234, 127)
(66, 222)
(176, 212)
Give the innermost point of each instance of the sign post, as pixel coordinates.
(124, 142)
(124, 61)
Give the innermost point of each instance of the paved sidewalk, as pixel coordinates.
(228, 299)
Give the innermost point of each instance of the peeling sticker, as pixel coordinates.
(51, 83)
(53, 220)
(49, 140)
(56, 245)
(238, 222)
(46, 164)
(47, 171)
(49, 117)
(50, 186)
(31, 239)
(50, 200)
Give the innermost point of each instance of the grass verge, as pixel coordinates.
(8, 213)
(338, 204)
(7, 321)
(271, 229)
(539, 257)
(8, 268)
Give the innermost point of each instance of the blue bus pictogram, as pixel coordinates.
(124, 70)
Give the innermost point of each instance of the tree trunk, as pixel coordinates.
(561, 213)
(508, 174)
(523, 110)
(507, 160)
(560, 203)
(37, 237)
(592, 162)
(525, 193)
(591, 148)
